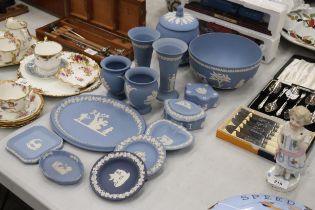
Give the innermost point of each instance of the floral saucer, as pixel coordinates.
(52, 86)
(22, 54)
(80, 72)
(8, 119)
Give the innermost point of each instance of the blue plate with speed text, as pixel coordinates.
(31, 144)
(61, 167)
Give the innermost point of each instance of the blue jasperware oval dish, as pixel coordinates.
(118, 175)
(149, 149)
(185, 113)
(61, 167)
(225, 61)
(258, 202)
(171, 135)
(95, 122)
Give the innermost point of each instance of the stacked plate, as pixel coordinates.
(19, 119)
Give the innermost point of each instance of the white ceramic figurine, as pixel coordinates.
(291, 153)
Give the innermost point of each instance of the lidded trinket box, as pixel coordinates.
(201, 94)
(185, 113)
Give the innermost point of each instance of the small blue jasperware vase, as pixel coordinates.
(169, 52)
(180, 25)
(142, 39)
(141, 88)
(113, 71)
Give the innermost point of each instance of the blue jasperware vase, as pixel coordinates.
(180, 25)
(113, 71)
(141, 88)
(169, 52)
(142, 39)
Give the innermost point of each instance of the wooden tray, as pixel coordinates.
(13, 11)
(102, 23)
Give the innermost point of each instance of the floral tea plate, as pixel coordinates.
(95, 122)
(15, 119)
(118, 175)
(61, 167)
(258, 202)
(149, 149)
(31, 144)
(171, 135)
(80, 72)
(52, 86)
(21, 54)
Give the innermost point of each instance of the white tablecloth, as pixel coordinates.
(193, 178)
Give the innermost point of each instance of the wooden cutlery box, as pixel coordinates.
(96, 28)
(266, 148)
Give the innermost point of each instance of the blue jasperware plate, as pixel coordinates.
(95, 122)
(258, 202)
(61, 167)
(171, 135)
(149, 149)
(118, 175)
(31, 144)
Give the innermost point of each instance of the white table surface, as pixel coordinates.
(193, 178)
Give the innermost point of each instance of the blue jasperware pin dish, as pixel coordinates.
(171, 135)
(201, 94)
(61, 167)
(149, 149)
(118, 175)
(185, 113)
(31, 144)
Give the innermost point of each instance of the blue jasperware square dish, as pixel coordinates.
(201, 94)
(185, 113)
(31, 144)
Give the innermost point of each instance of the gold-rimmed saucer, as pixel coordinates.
(11, 120)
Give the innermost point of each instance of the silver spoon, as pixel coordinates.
(286, 113)
(310, 100)
(274, 88)
(272, 106)
(291, 94)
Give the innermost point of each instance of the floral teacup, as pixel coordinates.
(14, 97)
(47, 57)
(19, 30)
(9, 49)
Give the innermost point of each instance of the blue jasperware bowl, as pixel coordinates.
(225, 61)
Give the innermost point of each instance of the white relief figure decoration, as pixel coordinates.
(165, 140)
(128, 90)
(105, 84)
(34, 144)
(141, 155)
(61, 168)
(119, 177)
(171, 82)
(151, 98)
(95, 121)
(202, 91)
(220, 78)
(172, 18)
(185, 104)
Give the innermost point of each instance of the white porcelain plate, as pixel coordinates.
(53, 86)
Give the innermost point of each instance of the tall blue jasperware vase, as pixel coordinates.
(169, 52)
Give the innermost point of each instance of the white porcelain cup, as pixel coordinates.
(14, 97)
(9, 49)
(47, 57)
(19, 30)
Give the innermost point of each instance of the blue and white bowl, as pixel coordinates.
(225, 61)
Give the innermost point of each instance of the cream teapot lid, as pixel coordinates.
(13, 23)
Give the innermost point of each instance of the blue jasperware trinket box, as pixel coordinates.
(201, 94)
(185, 113)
